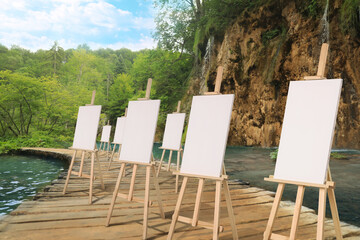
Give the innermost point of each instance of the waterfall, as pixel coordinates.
(206, 64)
(324, 25)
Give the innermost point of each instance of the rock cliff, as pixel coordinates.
(265, 49)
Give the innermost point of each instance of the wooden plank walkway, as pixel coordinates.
(53, 215)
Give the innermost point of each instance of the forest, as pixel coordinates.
(41, 91)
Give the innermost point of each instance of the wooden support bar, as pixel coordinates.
(218, 79)
(275, 236)
(69, 172)
(198, 202)
(177, 169)
(93, 97)
(297, 211)
(177, 209)
(273, 212)
(91, 177)
(116, 190)
(134, 199)
(321, 214)
(82, 163)
(322, 60)
(148, 89)
(230, 210)
(132, 183)
(217, 210)
(161, 160)
(322, 64)
(335, 213)
(146, 202)
(99, 170)
(178, 107)
(169, 161)
(203, 224)
(158, 192)
(326, 185)
(112, 155)
(200, 176)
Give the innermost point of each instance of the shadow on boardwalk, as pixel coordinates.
(53, 215)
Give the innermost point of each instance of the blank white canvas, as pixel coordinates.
(105, 135)
(307, 131)
(139, 132)
(207, 135)
(173, 131)
(86, 127)
(119, 130)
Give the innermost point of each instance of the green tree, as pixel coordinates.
(120, 94)
(19, 102)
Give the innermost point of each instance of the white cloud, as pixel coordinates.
(70, 21)
(143, 43)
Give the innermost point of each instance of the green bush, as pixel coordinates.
(273, 155)
(36, 139)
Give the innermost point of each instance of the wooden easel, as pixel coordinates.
(94, 155)
(114, 148)
(179, 151)
(222, 180)
(149, 167)
(105, 145)
(328, 187)
(322, 63)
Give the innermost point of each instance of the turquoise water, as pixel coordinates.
(21, 177)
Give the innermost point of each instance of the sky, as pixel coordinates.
(36, 24)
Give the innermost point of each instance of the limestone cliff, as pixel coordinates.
(264, 50)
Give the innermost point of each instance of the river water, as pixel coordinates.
(21, 177)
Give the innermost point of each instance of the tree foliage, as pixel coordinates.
(41, 91)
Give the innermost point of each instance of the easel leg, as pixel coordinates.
(177, 169)
(197, 202)
(82, 163)
(69, 172)
(169, 161)
(99, 170)
(108, 150)
(297, 211)
(91, 177)
(321, 214)
(132, 183)
(146, 201)
(161, 160)
(177, 209)
(111, 156)
(116, 190)
(273, 212)
(334, 213)
(230, 210)
(158, 192)
(217, 211)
